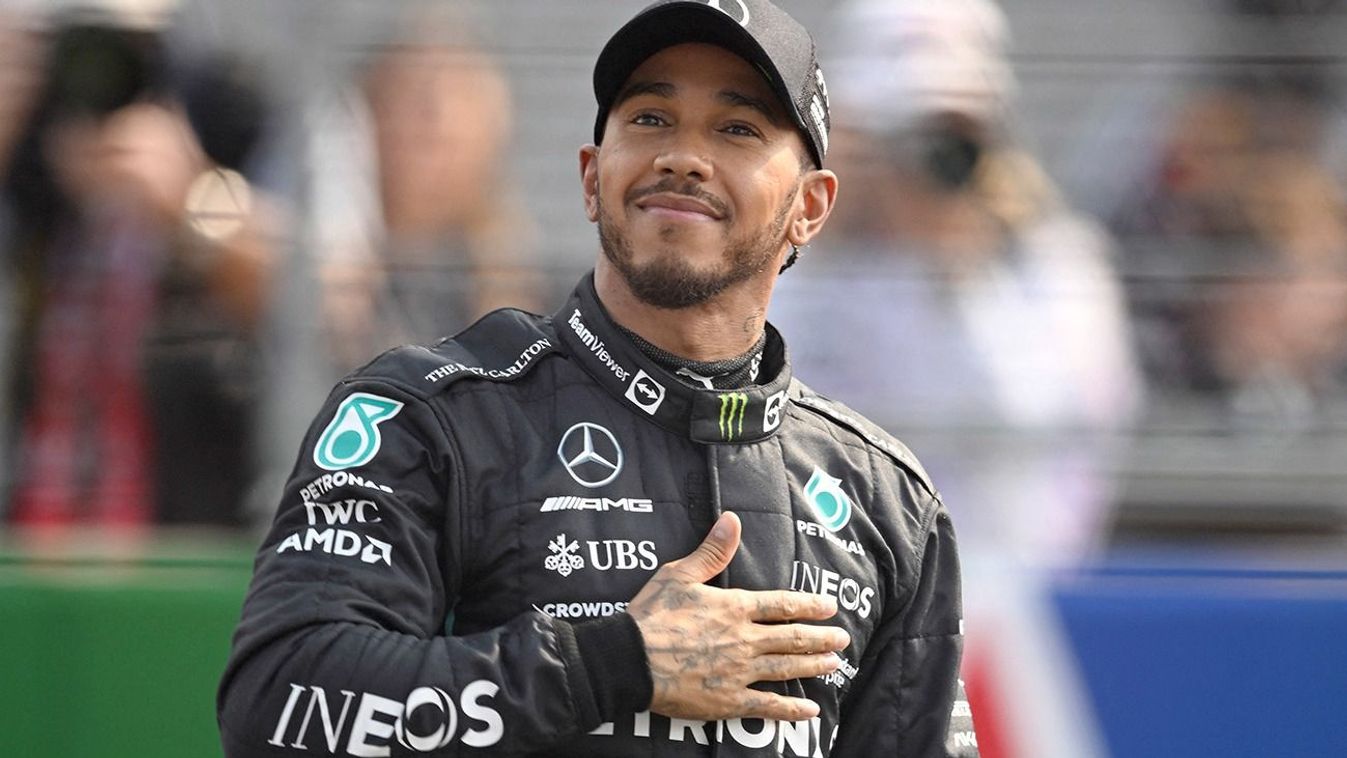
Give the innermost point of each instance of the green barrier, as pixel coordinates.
(115, 657)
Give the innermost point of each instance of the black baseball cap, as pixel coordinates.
(755, 30)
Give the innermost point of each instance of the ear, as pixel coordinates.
(589, 180)
(818, 192)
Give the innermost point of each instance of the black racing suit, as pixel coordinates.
(450, 564)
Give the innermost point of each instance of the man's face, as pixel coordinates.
(698, 177)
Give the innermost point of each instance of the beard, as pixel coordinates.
(672, 283)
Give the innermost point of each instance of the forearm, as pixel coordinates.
(353, 689)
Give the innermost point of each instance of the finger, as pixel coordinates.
(769, 705)
(784, 605)
(802, 638)
(714, 554)
(781, 668)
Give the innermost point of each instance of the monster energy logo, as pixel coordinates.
(732, 407)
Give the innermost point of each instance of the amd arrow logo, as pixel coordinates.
(646, 393)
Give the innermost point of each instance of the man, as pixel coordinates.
(624, 530)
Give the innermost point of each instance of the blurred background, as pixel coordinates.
(1089, 261)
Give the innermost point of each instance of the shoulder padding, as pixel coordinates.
(500, 347)
(867, 430)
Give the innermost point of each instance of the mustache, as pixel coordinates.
(672, 186)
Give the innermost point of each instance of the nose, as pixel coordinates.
(684, 158)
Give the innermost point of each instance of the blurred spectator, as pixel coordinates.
(450, 240)
(442, 118)
(20, 77)
(961, 303)
(132, 384)
(982, 318)
(1240, 241)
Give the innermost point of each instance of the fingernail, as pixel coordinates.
(722, 528)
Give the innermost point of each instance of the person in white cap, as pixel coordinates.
(1005, 353)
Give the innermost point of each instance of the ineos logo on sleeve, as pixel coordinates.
(375, 722)
(645, 392)
(742, 15)
(590, 454)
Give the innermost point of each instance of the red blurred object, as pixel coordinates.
(988, 716)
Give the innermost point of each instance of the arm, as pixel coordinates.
(902, 699)
(342, 634)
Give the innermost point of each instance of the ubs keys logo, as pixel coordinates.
(830, 504)
(645, 392)
(563, 559)
(604, 555)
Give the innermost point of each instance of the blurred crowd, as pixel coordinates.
(153, 247)
(194, 234)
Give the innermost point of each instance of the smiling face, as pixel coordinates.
(702, 180)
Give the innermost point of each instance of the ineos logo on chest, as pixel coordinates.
(590, 454)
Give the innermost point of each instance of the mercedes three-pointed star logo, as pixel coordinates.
(591, 459)
(741, 16)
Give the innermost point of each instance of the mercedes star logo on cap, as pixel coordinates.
(590, 454)
(740, 13)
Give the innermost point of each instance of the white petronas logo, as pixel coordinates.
(352, 438)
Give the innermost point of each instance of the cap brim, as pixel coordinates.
(664, 26)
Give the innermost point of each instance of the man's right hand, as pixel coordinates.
(705, 645)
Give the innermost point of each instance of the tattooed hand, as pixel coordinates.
(706, 644)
